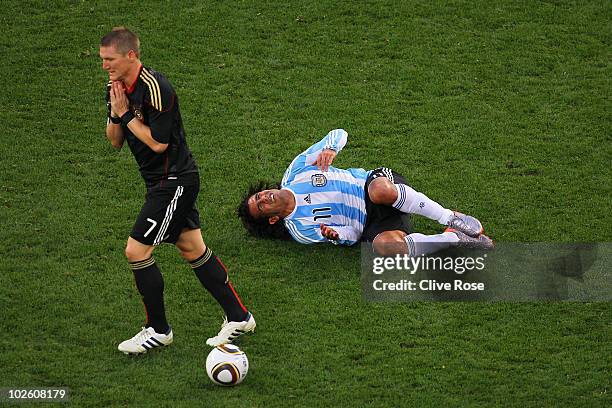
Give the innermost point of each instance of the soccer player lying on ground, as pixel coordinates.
(316, 202)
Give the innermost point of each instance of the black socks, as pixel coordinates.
(211, 273)
(213, 276)
(150, 284)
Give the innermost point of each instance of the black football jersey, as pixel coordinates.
(154, 102)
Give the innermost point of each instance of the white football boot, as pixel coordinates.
(145, 340)
(231, 330)
(466, 224)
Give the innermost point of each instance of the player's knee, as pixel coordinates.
(191, 245)
(189, 255)
(382, 191)
(131, 253)
(135, 253)
(390, 243)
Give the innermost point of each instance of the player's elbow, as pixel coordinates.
(117, 144)
(159, 148)
(115, 140)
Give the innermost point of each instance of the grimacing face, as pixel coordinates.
(115, 63)
(266, 203)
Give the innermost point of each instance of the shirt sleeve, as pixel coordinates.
(347, 235)
(304, 234)
(311, 233)
(160, 100)
(334, 140)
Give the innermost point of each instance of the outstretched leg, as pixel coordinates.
(390, 243)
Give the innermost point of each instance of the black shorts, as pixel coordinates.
(381, 218)
(165, 213)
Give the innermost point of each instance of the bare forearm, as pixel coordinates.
(143, 133)
(114, 134)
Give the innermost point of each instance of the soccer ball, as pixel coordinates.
(227, 365)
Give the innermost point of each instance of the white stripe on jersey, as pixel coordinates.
(297, 235)
(343, 194)
(333, 220)
(330, 199)
(335, 140)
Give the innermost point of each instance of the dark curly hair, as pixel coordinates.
(260, 227)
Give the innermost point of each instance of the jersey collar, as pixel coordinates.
(131, 88)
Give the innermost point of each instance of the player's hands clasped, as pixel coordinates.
(118, 99)
(325, 159)
(329, 232)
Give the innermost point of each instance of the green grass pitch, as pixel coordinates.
(501, 109)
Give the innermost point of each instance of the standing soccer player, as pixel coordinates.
(143, 109)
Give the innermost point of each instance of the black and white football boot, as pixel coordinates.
(145, 340)
(231, 330)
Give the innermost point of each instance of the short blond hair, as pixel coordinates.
(123, 40)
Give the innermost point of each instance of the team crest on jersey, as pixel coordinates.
(318, 180)
(138, 113)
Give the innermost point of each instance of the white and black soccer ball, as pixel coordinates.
(227, 365)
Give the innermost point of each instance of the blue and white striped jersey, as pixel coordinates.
(335, 197)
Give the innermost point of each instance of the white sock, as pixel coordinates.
(412, 202)
(420, 244)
